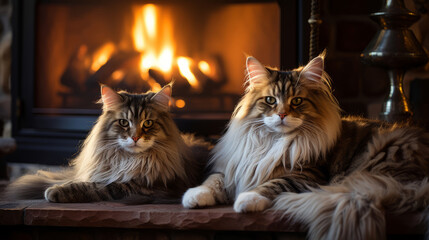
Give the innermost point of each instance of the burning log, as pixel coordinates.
(117, 61)
(158, 76)
(192, 78)
(207, 77)
(133, 71)
(79, 77)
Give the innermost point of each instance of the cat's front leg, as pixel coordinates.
(251, 202)
(261, 197)
(86, 192)
(209, 193)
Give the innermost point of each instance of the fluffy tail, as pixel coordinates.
(199, 147)
(199, 152)
(354, 209)
(34, 186)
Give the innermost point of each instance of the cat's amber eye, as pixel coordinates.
(147, 123)
(270, 100)
(296, 101)
(124, 122)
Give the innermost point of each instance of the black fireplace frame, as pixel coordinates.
(46, 139)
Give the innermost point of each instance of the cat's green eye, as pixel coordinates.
(296, 101)
(270, 100)
(124, 122)
(147, 123)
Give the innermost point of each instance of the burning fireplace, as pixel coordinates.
(63, 50)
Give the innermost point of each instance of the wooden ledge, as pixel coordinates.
(163, 216)
(148, 216)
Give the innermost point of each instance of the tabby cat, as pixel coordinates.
(134, 149)
(287, 148)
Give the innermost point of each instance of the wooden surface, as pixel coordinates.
(162, 216)
(148, 216)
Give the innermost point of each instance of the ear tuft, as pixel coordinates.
(313, 71)
(163, 97)
(257, 74)
(109, 97)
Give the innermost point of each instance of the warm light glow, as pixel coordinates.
(149, 13)
(184, 65)
(165, 60)
(180, 103)
(101, 56)
(154, 86)
(118, 75)
(204, 67)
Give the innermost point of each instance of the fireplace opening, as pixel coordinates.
(141, 47)
(63, 49)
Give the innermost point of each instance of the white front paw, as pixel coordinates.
(198, 197)
(52, 194)
(251, 202)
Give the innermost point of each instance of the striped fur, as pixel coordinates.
(134, 148)
(292, 152)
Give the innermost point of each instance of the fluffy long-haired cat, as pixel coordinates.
(287, 148)
(134, 149)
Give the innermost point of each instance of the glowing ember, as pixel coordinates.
(180, 103)
(204, 67)
(118, 75)
(185, 70)
(154, 86)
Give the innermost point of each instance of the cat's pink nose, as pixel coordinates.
(282, 115)
(135, 138)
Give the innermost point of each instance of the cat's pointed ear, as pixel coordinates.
(257, 74)
(109, 97)
(313, 71)
(163, 97)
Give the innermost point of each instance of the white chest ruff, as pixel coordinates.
(248, 156)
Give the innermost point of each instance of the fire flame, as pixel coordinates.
(184, 65)
(152, 34)
(149, 13)
(165, 60)
(102, 55)
(147, 39)
(137, 31)
(157, 46)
